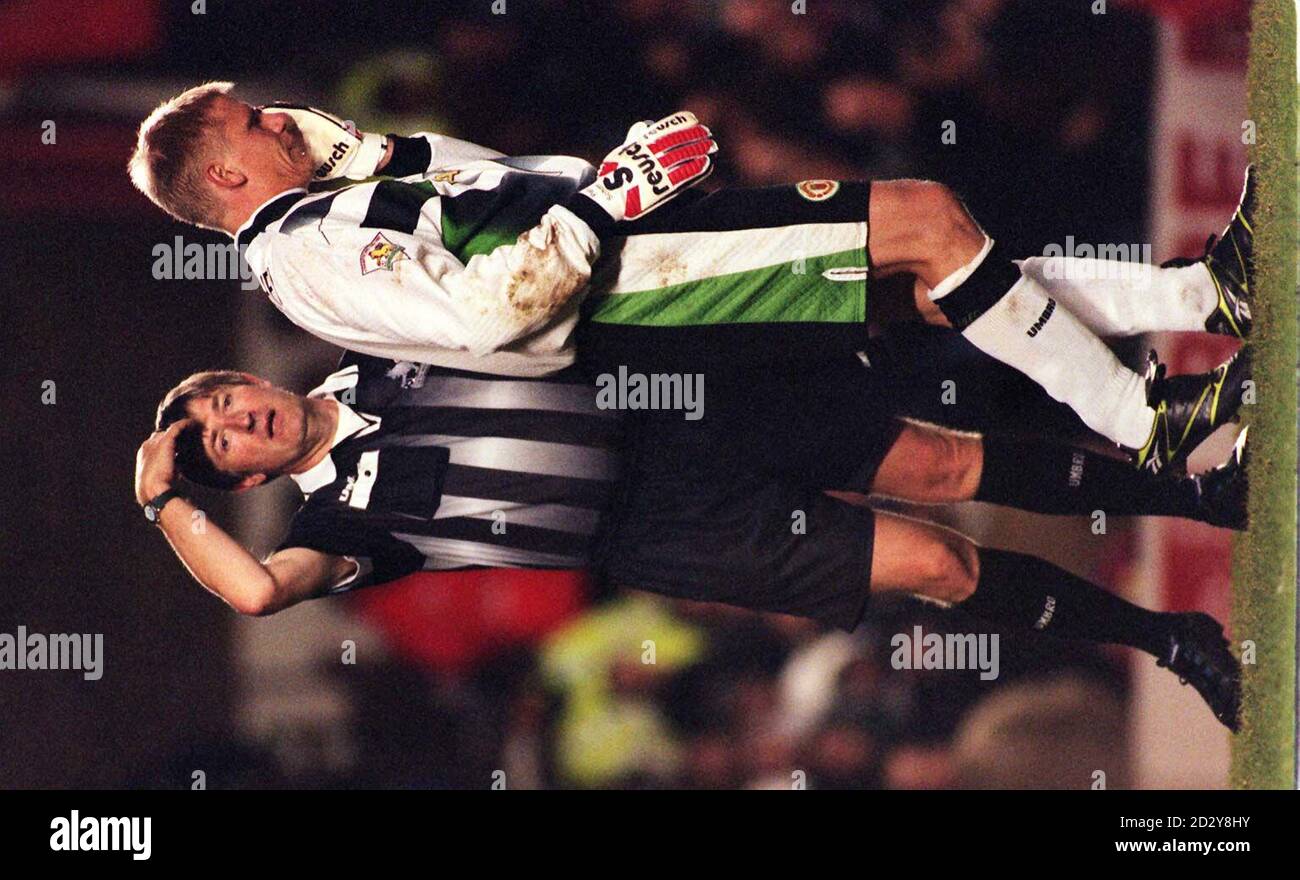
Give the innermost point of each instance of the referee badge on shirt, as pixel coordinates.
(381, 254)
(401, 480)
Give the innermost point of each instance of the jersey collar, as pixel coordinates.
(351, 424)
(267, 213)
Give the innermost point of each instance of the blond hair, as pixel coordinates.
(170, 149)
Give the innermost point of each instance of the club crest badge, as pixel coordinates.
(381, 254)
(817, 190)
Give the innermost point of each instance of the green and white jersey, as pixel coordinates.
(470, 260)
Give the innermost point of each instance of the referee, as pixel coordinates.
(406, 467)
(402, 467)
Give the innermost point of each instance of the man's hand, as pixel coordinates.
(658, 161)
(219, 562)
(155, 462)
(337, 148)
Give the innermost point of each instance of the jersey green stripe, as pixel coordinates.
(775, 294)
(480, 221)
(466, 243)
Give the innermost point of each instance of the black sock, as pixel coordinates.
(1031, 593)
(1046, 477)
(993, 277)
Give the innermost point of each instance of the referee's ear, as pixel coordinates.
(248, 482)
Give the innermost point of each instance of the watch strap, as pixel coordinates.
(154, 506)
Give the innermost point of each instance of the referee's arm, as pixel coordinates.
(219, 562)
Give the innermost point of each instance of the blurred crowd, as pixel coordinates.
(1020, 105)
(641, 692)
(727, 699)
(1035, 111)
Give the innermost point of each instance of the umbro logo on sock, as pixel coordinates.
(1049, 611)
(1076, 470)
(1042, 319)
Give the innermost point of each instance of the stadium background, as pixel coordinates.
(1112, 128)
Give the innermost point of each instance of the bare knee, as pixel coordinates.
(937, 234)
(931, 465)
(949, 230)
(948, 570)
(955, 460)
(923, 559)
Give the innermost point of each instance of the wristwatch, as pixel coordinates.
(153, 508)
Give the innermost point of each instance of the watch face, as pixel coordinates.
(150, 513)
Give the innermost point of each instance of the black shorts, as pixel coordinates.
(730, 508)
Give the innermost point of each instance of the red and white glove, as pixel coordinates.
(658, 161)
(335, 145)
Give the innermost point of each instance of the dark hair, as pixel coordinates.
(191, 457)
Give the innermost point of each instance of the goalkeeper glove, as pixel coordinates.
(337, 148)
(658, 161)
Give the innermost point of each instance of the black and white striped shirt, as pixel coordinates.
(436, 469)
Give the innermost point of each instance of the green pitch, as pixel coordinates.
(1264, 559)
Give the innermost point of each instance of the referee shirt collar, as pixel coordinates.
(351, 424)
(271, 210)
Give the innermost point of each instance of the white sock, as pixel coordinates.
(1116, 298)
(1067, 360)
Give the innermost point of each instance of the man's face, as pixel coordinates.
(265, 147)
(252, 429)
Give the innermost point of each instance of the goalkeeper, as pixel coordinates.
(467, 259)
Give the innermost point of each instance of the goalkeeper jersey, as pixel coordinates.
(468, 259)
(456, 260)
